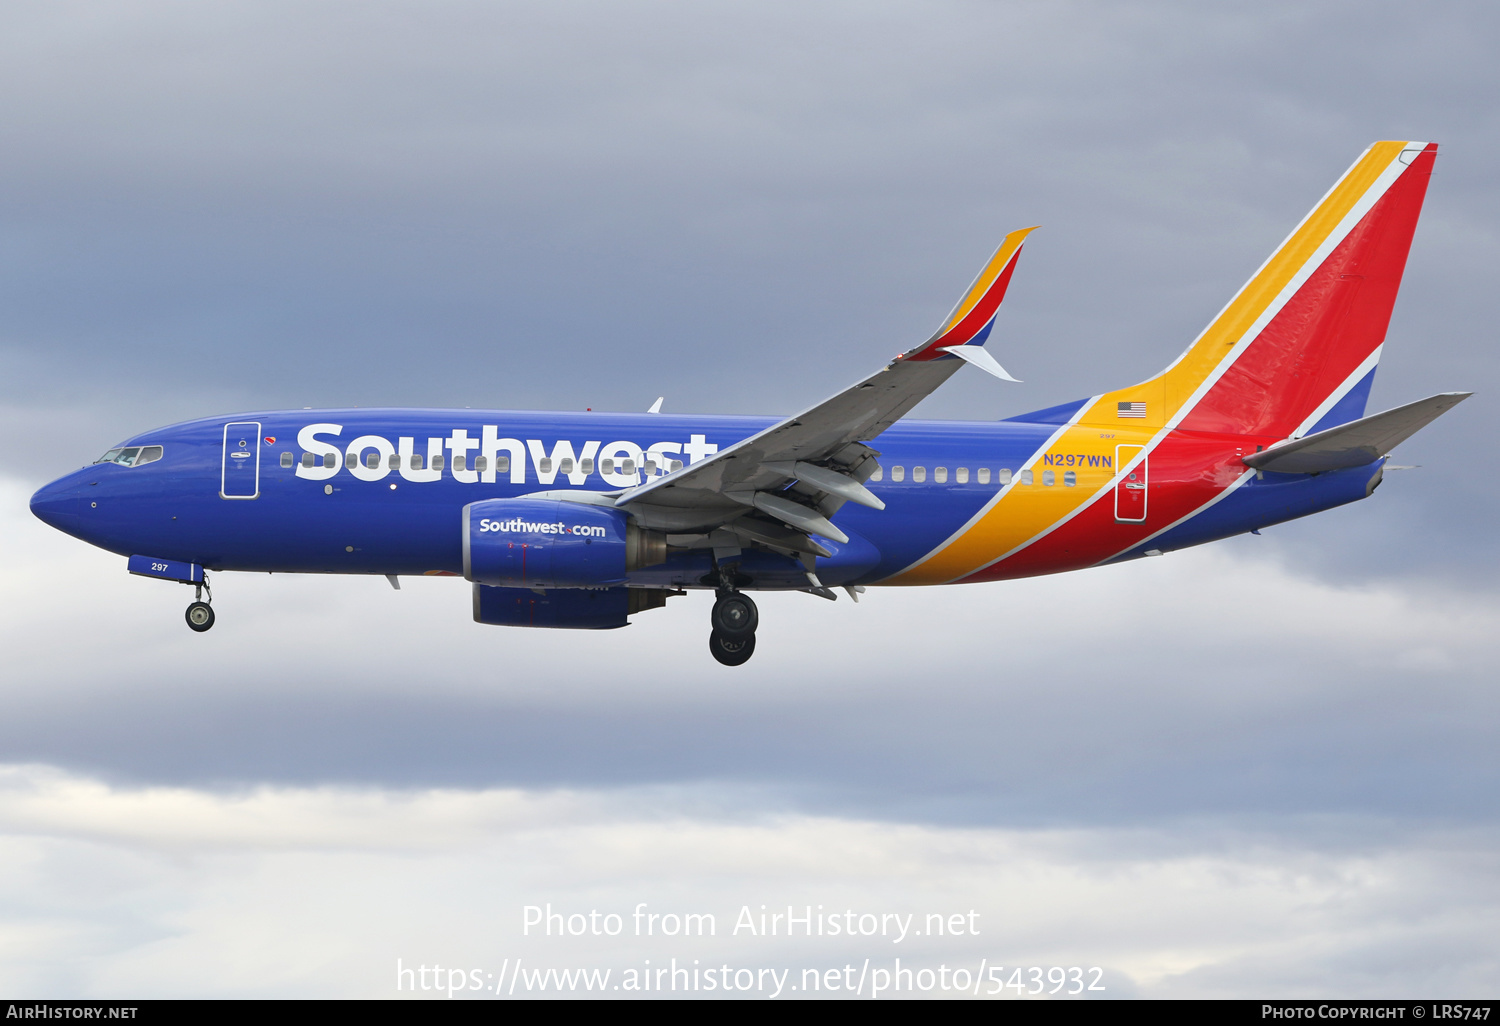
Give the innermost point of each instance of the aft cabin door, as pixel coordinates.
(240, 476)
(1130, 493)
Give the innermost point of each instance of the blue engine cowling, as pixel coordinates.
(595, 609)
(543, 543)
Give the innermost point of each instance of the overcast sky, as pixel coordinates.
(1267, 766)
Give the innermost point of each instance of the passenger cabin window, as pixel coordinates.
(416, 461)
(1070, 478)
(898, 473)
(940, 475)
(394, 461)
(879, 473)
(565, 465)
(586, 464)
(307, 460)
(919, 473)
(330, 461)
(502, 464)
(962, 475)
(481, 463)
(606, 466)
(676, 465)
(984, 475)
(1004, 477)
(544, 465)
(458, 461)
(437, 462)
(627, 467)
(351, 460)
(372, 461)
(1026, 477)
(286, 459)
(1049, 478)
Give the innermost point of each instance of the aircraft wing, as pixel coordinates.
(1357, 443)
(821, 452)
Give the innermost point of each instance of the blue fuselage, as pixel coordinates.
(237, 493)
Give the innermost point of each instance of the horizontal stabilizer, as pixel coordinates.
(1356, 443)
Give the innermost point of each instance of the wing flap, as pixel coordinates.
(1357, 443)
(829, 436)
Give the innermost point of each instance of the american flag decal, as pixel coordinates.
(1131, 410)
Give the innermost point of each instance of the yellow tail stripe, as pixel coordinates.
(1020, 514)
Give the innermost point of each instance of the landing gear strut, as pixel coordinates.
(200, 615)
(734, 620)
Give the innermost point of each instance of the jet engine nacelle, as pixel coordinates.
(543, 543)
(596, 609)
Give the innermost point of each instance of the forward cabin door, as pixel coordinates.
(1130, 493)
(240, 476)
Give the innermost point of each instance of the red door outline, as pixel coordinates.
(1130, 493)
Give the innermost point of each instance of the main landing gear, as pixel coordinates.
(734, 620)
(200, 615)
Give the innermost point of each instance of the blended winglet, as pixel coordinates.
(970, 322)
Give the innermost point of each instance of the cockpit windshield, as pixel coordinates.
(132, 456)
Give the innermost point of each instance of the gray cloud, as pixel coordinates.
(206, 209)
(258, 206)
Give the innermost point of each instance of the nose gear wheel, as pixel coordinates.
(200, 616)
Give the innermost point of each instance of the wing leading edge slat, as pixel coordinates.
(830, 435)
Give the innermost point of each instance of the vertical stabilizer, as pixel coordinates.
(1297, 345)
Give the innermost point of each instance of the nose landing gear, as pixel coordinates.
(200, 615)
(734, 620)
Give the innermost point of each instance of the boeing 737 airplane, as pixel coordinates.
(583, 520)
